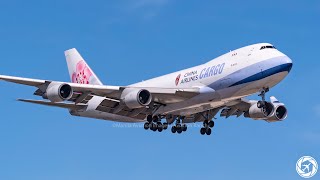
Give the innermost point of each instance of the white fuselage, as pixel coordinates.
(234, 75)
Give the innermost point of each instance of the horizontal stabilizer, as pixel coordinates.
(55, 104)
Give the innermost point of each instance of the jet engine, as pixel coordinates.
(136, 98)
(272, 112)
(57, 92)
(280, 113)
(260, 113)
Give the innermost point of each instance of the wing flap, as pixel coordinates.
(235, 108)
(60, 104)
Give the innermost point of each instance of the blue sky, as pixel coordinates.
(129, 41)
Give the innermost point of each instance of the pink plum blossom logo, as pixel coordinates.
(177, 79)
(82, 74)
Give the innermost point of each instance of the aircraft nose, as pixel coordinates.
(288, 63)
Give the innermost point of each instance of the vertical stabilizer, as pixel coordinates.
(79, 70)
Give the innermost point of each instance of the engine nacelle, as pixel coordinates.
(57, 92)
(136, 98)
(280, 113)
(260, 113)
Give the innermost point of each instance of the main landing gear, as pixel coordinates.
(262, 103)
(206, 129)
(179, 127)
(208, 123)
(154, 123)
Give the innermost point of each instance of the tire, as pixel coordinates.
(149, 118)
(208, 131)
(205, 123)
(173, 129)
(155, 119)
(154, 127)
(202, 131)
(211, 124)
(184, 127)
(146, 126)
(179, 131)
(165, 126)
(159, 127)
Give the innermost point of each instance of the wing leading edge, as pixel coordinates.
(161, 95)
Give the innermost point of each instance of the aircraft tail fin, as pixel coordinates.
(79, 70)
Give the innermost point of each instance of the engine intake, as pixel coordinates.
(260, 113)
(57, 92)
(136, 98)
(279, 114)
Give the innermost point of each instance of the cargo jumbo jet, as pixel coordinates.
(191, 95)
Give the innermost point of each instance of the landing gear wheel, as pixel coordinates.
(146, 126)
(211, 124)
(155, 118)
(173, 129)
(154, 127)
(203, 131)
(165, 126)
(184, 127)
(208, 131)
(205, 123)
(151, 126)
(149, 118)
(159, 126)
(179, 130)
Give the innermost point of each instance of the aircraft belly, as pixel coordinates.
(222, 96)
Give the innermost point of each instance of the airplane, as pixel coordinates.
(306, 166)
(192, 95)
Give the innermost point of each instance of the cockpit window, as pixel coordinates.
(268, 47)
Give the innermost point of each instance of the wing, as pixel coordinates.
(71, 106)
(43, 84)
(112, 104)
(161, 95)
(236, 107)
(232, 108)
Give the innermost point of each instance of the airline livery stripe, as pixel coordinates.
(266, 73)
